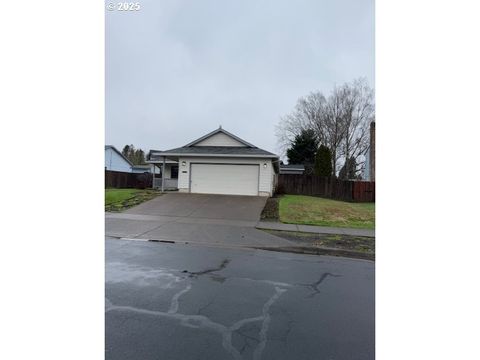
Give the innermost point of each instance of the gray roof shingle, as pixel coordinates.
(213, 150)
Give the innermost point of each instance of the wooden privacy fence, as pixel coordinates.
(363, 191)
(356, 191)
(118, 179)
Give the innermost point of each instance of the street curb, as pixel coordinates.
(162, 241)
(326, 232)
(287, 249)
(319, 251)
(131, 239)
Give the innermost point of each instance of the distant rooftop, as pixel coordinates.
(293, 166)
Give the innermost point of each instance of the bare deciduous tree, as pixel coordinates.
(293, 124)
(358, 110)
(340, 122)
(329, 127)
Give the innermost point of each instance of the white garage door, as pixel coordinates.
(224, 179)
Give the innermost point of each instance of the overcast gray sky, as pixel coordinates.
(176, 70)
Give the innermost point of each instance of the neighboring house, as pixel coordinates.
(292, 169)
(220, 163)
(115, 161)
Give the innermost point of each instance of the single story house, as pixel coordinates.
(219, 163)
(292, 169)
(115, 161)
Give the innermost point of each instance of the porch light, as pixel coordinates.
(264, 165)
(184, 163)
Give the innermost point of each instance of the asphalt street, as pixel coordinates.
(178, 301)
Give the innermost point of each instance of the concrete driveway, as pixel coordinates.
(204, 206)
(195, 218)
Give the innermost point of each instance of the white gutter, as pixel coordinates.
(217, 155)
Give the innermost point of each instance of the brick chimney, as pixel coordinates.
(372, 151)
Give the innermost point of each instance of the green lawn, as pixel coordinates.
(121, 199)
(310, 210)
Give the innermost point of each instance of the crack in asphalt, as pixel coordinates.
(201, 309)
(197, 321)
(222, 266)
(201, 321)
(174, 303)
(314, 286)
(246, 339)
(257, 354)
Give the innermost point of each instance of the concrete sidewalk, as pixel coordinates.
(223, 232)
(180, 219)
(266, 225)
(130, 222)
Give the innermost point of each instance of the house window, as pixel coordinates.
(174, 172)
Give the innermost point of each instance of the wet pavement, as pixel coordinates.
(177, 301)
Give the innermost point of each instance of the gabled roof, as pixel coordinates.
(214, 132)
(119, 153)
(247, 151)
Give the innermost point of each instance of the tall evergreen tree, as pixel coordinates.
(303, 148)
(126, 151)
(136, 156)
(139, 157)
(323, 161)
